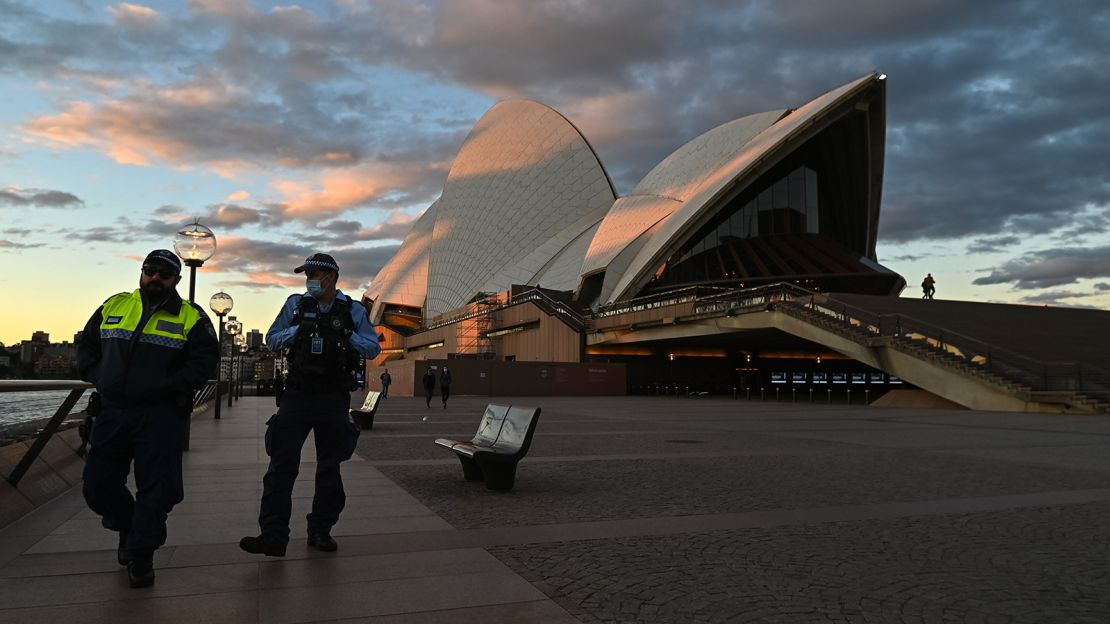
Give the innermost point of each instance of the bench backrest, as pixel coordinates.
(490, 427)
(371, 402)
(520, 424)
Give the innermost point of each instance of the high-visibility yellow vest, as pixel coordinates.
(120, 316)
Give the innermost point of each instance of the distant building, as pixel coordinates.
(254, 339)
(31, 350)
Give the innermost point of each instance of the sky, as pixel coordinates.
(330, 125)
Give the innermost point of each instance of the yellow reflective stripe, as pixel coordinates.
(126, 309)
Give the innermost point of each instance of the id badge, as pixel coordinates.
(317, 345)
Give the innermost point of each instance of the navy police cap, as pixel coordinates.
(318, 261)
(164, 256)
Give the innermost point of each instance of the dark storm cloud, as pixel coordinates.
(1050, 268)
(991, 245)
(38, 198)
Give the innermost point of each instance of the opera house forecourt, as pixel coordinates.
(532, 276)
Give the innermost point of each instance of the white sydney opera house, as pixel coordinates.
(790, 195)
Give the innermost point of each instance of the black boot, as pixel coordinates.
(122, 556)
(140, 570)
(264, 545)
(322, 541)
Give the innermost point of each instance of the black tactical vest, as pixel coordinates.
(319, 360)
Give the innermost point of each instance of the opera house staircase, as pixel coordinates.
(980, 355)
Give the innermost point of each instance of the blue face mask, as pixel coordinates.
(314, 288)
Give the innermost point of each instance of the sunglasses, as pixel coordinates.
(150, 271)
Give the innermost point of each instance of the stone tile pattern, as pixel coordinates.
(1030, 566)
(523, 174)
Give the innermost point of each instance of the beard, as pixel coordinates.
(154, 290)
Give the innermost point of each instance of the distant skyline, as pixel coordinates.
(330, 125)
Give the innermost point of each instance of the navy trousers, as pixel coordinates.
(151, 436)
(327, 416)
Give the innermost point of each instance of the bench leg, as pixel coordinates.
(471, 470)
(499, 475)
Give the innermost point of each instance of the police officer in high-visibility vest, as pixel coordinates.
(325, 331)
(147, 352)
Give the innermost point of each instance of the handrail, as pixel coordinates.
(550, 305)
(671, 297)
(76, 389)
(1036, 375)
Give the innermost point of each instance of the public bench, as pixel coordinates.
(365, 415)
(502, 440)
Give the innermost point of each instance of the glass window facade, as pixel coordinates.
(788, 205)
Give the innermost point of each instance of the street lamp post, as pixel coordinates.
(194, 244)
(240, 348)
(220, 303)
(233, 329)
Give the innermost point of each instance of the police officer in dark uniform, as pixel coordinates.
(147, 351)
(325, 331)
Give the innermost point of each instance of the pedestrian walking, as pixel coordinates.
(429, 381)
(445, 385)
(386, 380)
(928, 286)
(325, 331)
(147, 352)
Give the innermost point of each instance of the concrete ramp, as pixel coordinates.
(918, 399)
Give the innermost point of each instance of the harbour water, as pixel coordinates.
(18, 408)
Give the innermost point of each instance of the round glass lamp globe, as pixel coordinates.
(240, 340)
(233, 327)
(221, 303)
(194, 243)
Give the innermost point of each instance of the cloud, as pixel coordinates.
(38, 198)
(133, 15)
(1049, 268)
(265, 264)
(375, 184)
(207, 121)
(992, 245)
(1063, 298)
(7, 244)
(342, 233)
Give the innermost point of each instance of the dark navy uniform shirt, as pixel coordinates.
(364, 339)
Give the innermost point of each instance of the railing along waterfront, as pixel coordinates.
(201, 400)
(899, 329)
(76, 389)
